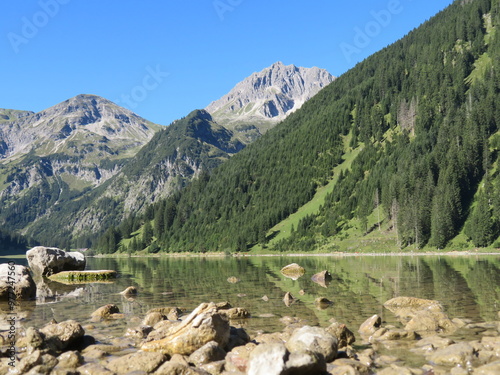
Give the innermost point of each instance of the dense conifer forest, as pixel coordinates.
(423, 115)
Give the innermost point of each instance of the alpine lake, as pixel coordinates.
(467, 286)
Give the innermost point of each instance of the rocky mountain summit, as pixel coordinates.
(260, 101)
(73, 127)
(55, 155)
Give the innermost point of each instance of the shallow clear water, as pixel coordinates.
(468, 287)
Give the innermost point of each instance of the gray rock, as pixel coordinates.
(152, 318)
(18, 280)
(46, 261)
(430, 321)
(238, 358)
(431, 343)
(169, 368)
(235, 313)
(70, 359)
(346, 366)
(93, 369)
(268, 359)
(32, 339)
(370, 325)
(64, 334)
(105, 312)
(203, 325)
(455, 354)
(210, 352)
(305, 362)
(314, 339)
(139, 333)
(293, 271)
(129, 292)
(28, 362)
(214, 368)
(288, 299)
(322, 278)
(489, 369)
(145, 361)
(344, 336)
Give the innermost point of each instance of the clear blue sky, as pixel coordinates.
(164, 58)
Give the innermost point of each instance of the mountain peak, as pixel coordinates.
(269, 96)
(82, 119)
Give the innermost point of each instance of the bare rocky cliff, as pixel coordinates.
(262, 100)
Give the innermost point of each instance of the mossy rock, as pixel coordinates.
(84, 276)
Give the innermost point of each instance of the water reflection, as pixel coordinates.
(468, 287)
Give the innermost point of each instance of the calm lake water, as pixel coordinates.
(468, 287)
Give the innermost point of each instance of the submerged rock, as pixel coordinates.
(203, 325)
(235, 313)
(233, 280)
(73, 277)
(16, 281)
(455, 354)
(293, 271)
(49, 260)
(370, 325)
(108, 311)
(322, 278)
(288, 299)
(129, 292)
(420, 315)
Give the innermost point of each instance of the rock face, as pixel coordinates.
(262, 100)
(46, 261)
(81, 118)
(23, 285)
(203, 325)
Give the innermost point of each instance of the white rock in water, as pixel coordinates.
(46, 261)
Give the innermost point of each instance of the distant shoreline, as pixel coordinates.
(335, 254)
(464, 253)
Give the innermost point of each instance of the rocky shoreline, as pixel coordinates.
(210, 340)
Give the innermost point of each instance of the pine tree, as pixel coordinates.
(147, 234)
(480, 225)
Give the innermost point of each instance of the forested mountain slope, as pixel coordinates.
(173, 156)
(423, 114)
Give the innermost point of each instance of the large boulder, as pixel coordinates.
(16, 281)
(46, 261)
(63, 335)
(313, 339)
(203, 325)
